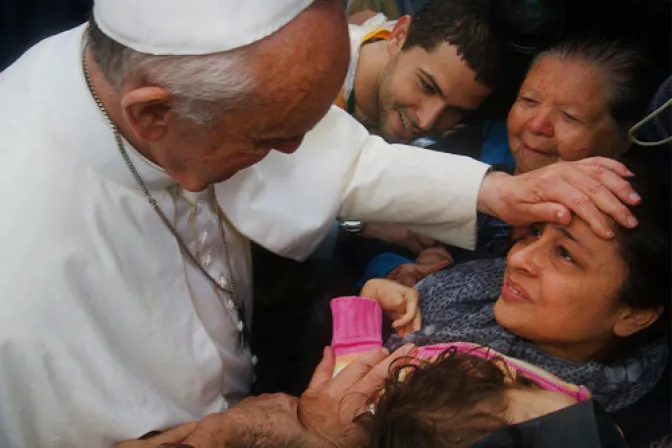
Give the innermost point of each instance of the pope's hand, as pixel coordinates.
(267, 420)
(399, 302)
(329, 406)
(322, 418)
(590, 188)
(168, 439)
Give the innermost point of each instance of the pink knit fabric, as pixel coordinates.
(358, 325)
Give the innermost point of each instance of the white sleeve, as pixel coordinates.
(288, 203)
(432, 193)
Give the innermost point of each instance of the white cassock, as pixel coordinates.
(106, 330)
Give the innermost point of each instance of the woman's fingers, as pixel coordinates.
(409, 308)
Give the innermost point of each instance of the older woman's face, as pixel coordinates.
(561, 113)
(561, 290)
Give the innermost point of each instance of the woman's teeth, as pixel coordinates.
(515, 291)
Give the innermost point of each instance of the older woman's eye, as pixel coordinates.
(570, 117)
(527, 100)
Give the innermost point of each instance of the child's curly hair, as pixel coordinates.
(450, 403)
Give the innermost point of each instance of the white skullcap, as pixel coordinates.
(192, 27)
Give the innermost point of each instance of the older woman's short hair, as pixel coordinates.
(624, 70)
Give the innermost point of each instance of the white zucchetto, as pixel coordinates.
(193, 27)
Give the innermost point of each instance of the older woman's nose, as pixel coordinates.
(540, 123)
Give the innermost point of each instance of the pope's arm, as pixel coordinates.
(431, 193)
(287, 203)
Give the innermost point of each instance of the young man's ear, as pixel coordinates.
(147, 112)
(398, 36)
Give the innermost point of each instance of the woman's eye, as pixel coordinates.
(564, 253)
(534, 232)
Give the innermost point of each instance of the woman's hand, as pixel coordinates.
(399, 302)
(397, 235)
(410, 274)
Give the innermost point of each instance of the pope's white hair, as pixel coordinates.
(203, 87)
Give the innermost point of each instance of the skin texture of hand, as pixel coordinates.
(399, 302)
(435, 256)
(397, 235)
(321, 418)
(329, 405)
(264, 421)
(169, 439)
(590, 188)
(410, 274)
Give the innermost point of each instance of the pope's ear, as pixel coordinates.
(147, 110)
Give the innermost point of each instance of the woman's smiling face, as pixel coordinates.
(562, 113)
(561, 289)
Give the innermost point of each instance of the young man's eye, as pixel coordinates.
(426, 87)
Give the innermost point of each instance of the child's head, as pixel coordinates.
(454, 402)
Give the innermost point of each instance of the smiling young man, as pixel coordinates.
(422, 74)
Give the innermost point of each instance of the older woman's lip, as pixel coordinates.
(513, 291)
(536, 151)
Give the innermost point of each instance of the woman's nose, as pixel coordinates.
(525, 259)
(540, 123)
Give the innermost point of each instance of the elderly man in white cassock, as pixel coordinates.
(145, 151)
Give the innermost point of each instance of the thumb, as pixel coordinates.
(547, 212)
(324, 371)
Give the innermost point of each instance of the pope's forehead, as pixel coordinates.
(296, 58)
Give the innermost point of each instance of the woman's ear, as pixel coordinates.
(398, 35)
(634, 320)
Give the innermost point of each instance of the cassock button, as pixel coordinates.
(230, 305)
(254, 360)
(241, 326)
(222, 281)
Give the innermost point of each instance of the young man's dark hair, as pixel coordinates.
(467, 24)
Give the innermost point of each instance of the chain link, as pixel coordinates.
(236, 308)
